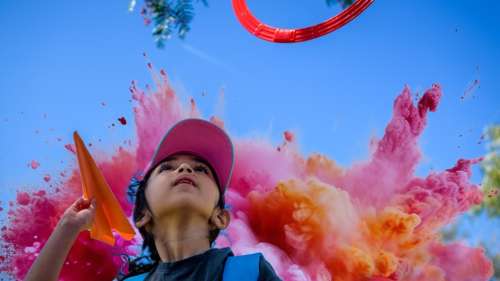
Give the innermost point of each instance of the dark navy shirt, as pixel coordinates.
(208, 266)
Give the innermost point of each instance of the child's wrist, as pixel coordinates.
(68, 226)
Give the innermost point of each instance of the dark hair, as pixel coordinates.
(149, 257)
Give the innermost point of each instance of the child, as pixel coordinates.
(179, 211)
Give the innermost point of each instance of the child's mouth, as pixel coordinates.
(184, 180)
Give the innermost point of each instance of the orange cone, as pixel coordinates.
(109, 215)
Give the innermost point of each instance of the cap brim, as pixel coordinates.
(201, 138)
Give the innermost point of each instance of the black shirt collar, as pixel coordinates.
(217, 253)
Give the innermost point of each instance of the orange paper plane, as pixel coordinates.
(109, 215)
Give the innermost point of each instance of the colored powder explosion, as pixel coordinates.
(374, 221)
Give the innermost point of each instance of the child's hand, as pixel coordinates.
(79, 215)
(48, 264)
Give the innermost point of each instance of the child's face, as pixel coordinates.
(182, 183)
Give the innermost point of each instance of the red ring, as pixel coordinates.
(282, 35)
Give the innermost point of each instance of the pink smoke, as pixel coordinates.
(312, 219)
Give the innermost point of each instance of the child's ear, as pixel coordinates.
(144, 221)
(220, 218)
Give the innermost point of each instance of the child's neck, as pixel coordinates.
(178, 238)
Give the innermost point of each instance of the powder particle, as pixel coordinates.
(70, 147)
(34, 164)
(46, 178)
(122, 120)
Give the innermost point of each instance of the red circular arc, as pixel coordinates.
(286, 35)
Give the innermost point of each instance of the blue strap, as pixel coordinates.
(242, 268)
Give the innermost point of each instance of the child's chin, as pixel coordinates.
(186, 201)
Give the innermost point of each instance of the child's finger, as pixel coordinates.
(78, 202)
(81, 203)
(92, 205)
(92, 210)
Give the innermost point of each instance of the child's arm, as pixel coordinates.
(48, 264)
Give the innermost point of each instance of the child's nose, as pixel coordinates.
(184, 167)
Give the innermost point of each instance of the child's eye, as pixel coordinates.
(164, 167)
(201, 168)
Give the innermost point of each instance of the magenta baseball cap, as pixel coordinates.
(203, 139)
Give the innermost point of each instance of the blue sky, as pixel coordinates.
(62, 59)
